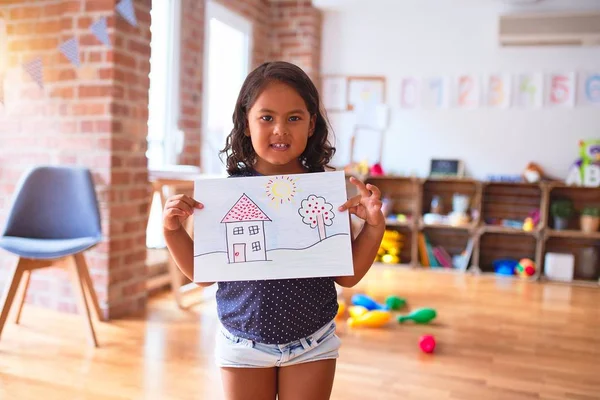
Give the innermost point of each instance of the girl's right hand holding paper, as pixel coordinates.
(177, 209)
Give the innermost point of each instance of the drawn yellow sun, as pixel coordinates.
(281, 189)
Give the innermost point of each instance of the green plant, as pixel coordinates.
(562, 208)
(591, 211)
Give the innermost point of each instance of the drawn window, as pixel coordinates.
(238, 230)
(253, 230)
(256, 246)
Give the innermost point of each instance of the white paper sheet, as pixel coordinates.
(272, 227)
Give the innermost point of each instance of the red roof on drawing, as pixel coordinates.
(245, 210)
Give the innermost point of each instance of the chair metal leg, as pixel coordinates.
(88, 284)
(78, 282)
(12, 286)
(25, 285)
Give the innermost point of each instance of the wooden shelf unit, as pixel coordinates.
(489, 201)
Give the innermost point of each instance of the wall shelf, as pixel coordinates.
(491, 202)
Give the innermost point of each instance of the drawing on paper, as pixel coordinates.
(281, 189)
(317, 212)
(264, 227)
(245, 231)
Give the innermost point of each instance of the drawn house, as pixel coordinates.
(245, 227)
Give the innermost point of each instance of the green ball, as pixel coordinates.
(395, 302)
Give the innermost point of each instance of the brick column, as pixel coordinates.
(93, 116)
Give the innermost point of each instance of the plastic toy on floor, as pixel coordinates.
(392, 302)
(370, 319)
(341, 309)
(419, 316)
(427, 343)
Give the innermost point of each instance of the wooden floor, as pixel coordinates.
(497, 339)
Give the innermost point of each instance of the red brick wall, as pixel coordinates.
(92, 116)
(296, 35)
(130, 190)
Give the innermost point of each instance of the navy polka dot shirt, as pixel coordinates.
(276, 311)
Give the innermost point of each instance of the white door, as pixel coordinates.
(227, 61)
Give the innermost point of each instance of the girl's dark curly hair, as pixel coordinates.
(238, 147)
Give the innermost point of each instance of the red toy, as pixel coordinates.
(427, 343)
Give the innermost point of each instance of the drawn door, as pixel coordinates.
(239, 252)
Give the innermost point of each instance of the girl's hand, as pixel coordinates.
(177, 209)
(366, 205)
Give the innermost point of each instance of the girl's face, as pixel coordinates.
(279, 126)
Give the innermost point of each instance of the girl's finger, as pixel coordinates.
(375, 190)
(176, 212)
(351, 202)
(183, 205)
(361, 187)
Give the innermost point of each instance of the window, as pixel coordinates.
(253, 229)
(238, 230)
(227, 50)
(164, 136)
(255, 246)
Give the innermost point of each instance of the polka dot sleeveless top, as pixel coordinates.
(276, 311)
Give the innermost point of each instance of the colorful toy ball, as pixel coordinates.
(427, 343)
(525, 268)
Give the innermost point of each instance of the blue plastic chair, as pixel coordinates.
(53, 219)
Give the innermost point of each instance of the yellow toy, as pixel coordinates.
(370, 319)
(357, 311)
(341, 309)
(390, 247)
(528, 224)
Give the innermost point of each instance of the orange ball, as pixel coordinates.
(525, 268)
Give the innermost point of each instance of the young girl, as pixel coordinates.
(277, 337)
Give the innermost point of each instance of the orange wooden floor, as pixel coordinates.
(497, 339)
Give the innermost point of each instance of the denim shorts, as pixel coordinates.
(235, 352)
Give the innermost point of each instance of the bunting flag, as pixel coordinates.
(70, 49)
(35, 69)
(100, 30)
(125, 8)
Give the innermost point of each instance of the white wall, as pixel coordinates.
(433, 37)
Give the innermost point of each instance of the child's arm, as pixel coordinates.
(181, 246)
(366, 206)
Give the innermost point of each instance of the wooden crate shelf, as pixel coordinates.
(494, 246)
(575, 246)
(491, 202)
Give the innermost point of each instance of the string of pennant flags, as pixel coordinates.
(70, 47)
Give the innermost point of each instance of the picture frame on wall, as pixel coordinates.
(334, 89)
(446, 168)
(365, 90)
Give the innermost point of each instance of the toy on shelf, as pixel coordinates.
(533, 173)
(370, 319)
(505, 266)
(377, 170)
(585, 171)
(427, 343)
(525, 268)
(419, 316)
(390, 247)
